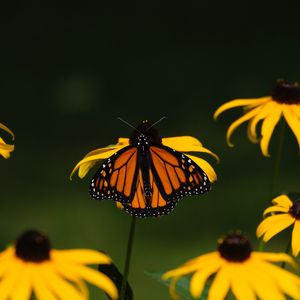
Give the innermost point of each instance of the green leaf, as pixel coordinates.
(182, 286)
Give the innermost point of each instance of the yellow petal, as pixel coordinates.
(10, 278)
(240, 102)
(283, 201)
(293, 121)
(89, 161)
(262, 283)
(98, 279)
(287, 282)
(238, 122)
(274, 257)
(240, 286)
(41, 289)
(268, 126)
(198, 280)
(273, 224)
(172, 288)
(205, 166)
(23, 287)
(59, 286)
(5, 149)
(275, 208)
(220, 286)
(81, 256)
(187, 144)
(265, 109)
(296, 238)
(5, 128)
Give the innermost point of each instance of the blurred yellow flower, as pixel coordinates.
(5, 149)
(181, 144)
(284, 214)
(285, 101)
(246, 273)
(32, 266)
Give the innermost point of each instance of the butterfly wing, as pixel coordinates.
(116, 178)
(172, 176)
(176, 174)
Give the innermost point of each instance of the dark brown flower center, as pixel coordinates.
(286, 92)
(33, 246)
(235, 247)
(295, 210)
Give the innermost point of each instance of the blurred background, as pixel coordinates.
(68, 70)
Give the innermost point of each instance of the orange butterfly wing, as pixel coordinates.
(117, 176)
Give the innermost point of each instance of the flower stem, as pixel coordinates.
(287, 250)
(277, 160)
(128, 257)
(276, 169)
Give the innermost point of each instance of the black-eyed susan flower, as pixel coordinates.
(148, 174)
(284, 102)
(284, 213)
(237, 268)
(6, 149)
(181, 143)
(31, 266)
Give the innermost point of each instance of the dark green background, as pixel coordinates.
(68, 70)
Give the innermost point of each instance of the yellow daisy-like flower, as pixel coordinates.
(284, 214)
(181, 143)
(31, 266)
(5, 149)
(284, 102)
(239, 269)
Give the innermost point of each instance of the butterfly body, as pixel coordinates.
(146, 177)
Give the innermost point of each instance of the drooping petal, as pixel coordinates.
(240, 286)
(59, 286)
(198, 280)
(5, 128)
(283, 201)
(240, 102)
(268, 126)
(275, 208)
(88, 162)
(262, 283)
(220, 285)
(205, 166)
(9, 279)
(274, 224)
(238, 122)
(187, 144)
(23, 288)
(274, 257)
(98, 279)
(293, 121)
(5, 149)
(172, 288)
(287, 282)
(251, 130)
(41, 289)
(296, 238)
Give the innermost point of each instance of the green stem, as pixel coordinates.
(277, 161)
(276, 169)
(287, 250)
(128, 257)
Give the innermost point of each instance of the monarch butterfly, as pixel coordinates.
(147, 177)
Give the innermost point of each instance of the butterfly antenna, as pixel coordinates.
(157, 122)
(128, 124)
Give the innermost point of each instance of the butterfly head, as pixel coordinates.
(145, 132)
